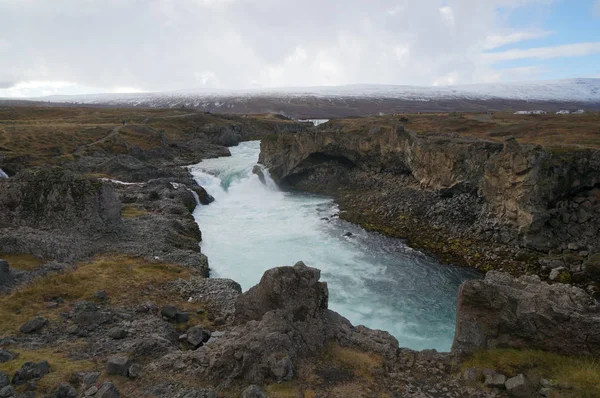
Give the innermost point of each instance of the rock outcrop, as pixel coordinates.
(280, 320)
(500, 311)
(57, 198)
(470, 200)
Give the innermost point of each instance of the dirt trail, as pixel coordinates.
(113, 132)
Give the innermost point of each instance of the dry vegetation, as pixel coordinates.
(569, 131)
(61, 367)
(337, 372)
(132, 211)
(580, 377)
(125, 279)
(23, 262)
(50, 135)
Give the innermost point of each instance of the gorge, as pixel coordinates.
(373, 280)
(124, 270)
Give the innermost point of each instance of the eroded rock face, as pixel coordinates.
(293, 290)
(278, 321)
(507, 195)
(501, 311)
(58, 198)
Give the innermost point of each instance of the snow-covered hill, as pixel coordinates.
(568, 90)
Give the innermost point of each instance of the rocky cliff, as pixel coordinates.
(452, 195)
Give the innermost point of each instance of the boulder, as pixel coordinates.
(591, 266)
(277, 322)
(6, 356)
(259, 172)
(134, 371)
(494, 380)
(169, 311)
(253, 391)
(203, 196)
(65, 390)
(519, 387)
(30, 371)
(118, 365)
(293, 290)
(7, 392)
(107, 390)
(196, 336)
(560, 274)
(4, 379)
(117, 333)
(5, 276)
(502, 311)
(33, 325)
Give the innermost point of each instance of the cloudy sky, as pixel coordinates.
(86, 46)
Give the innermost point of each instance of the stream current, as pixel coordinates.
(373, 280)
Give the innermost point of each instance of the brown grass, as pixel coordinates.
(24, 262)
(132, 211)
(122, 277)
(337, 372)
(53, 135)
(571, 131)
(582, 374)
(61, 367)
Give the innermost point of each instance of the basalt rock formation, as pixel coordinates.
(500, 311)
(488, 204)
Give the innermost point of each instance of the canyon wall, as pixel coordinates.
(492, 205)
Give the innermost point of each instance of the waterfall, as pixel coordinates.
(373, 280)
(3, 174)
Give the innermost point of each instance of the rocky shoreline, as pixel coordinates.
(491, 206)
(106, 293)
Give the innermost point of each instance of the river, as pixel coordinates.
(373, 280)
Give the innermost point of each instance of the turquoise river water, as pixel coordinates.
(373, 280)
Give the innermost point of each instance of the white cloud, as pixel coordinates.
(447, 15)
(154, 45)
(566, 50)
(499, 40)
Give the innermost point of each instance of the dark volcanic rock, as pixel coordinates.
(33, 325)
(6, 356)
(65, 391)
(294, 290)
(30, 371)
(107, 390)
(501, 311)
(5, 276)
(282, 319)
(4, 379)
(118, 365)
(7, 392)
(459, 197)
(253, 391)
(58, 198)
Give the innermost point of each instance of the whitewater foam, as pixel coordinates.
(373, 280)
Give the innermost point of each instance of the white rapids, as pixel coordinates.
(373, 280)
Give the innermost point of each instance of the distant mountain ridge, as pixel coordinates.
(361, 99)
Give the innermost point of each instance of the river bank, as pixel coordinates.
(488, 205)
